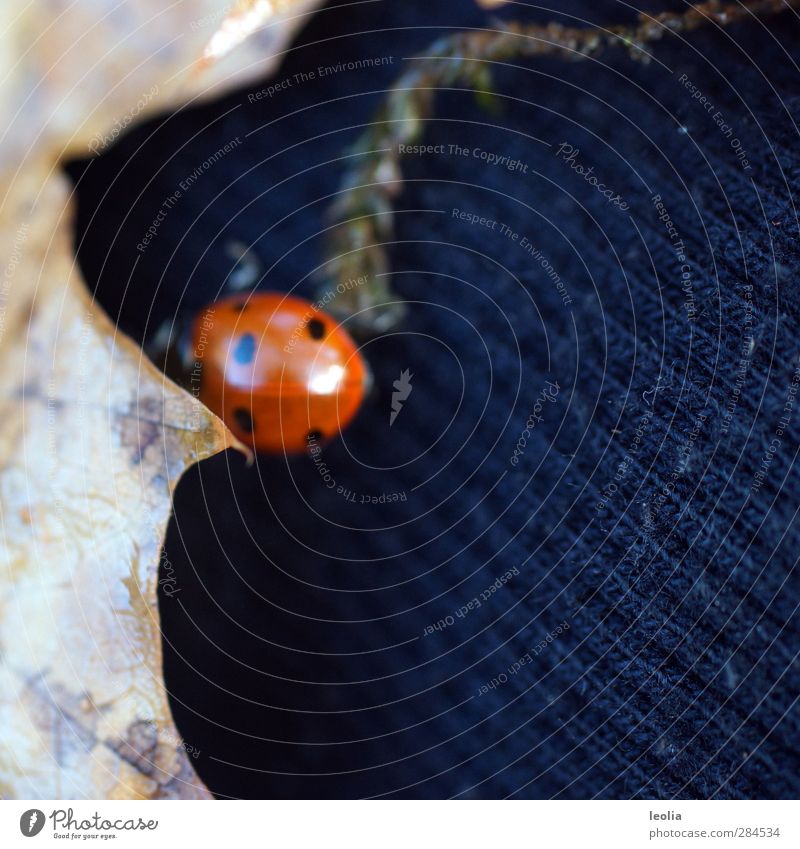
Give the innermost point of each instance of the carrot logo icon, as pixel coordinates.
(31, 822)
(403, 389)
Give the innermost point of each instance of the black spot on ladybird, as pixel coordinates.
(316, 328)
(314, 436)
(245, 348)
(243, 419)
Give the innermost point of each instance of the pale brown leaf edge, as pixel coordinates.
(93, 438)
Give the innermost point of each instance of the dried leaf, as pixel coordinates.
(93, 438)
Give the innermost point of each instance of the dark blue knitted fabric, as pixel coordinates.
(636, 626)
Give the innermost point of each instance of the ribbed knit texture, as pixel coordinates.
(296, 650)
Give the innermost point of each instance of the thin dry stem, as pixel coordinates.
(362, 214)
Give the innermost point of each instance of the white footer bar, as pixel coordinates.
(403, 824)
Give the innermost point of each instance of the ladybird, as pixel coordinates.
(279, 372)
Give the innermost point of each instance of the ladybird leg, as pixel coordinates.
(370, 387)
(166, 348)
(247, 270)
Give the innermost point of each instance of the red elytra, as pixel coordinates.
(277, 371)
